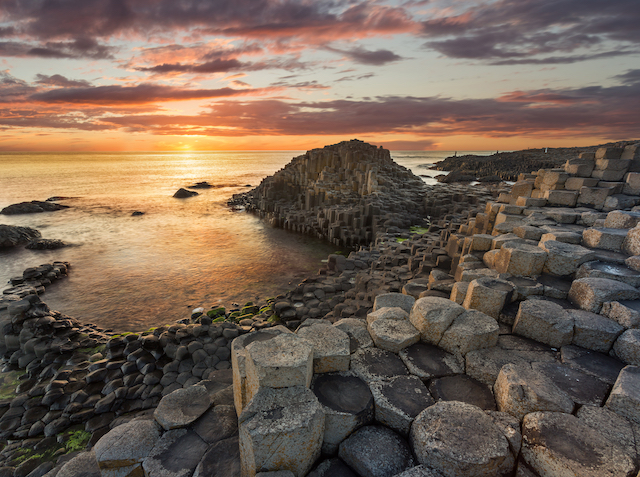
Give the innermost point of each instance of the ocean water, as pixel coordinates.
(130, 273)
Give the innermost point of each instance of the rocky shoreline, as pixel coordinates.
(499, 339)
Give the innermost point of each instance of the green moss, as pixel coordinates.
(77, 440)
(215, 312)
(10, 381)
(94, 350)
(400, 240)
(274, 319)
(219, 319)
(418, 230)
(264, 309)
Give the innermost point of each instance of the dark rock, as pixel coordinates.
(222, 459)
(32, 207)
(593, 363)
(332, 468)
(218, 423)
(177, 452)
(463, 388)
(184, 193)
(136, 213)
(428, 361)
(45, 244)
(11, 235)
(376, 451)
(373, 364)
(582, 388)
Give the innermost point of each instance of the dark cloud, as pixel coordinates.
(537, 31)
(13, 89)
(59, 80)
(367, 57)
(140, 94)
(78, 48)
(254, 18)
(581, 112)
(630, 77)
(214, 66)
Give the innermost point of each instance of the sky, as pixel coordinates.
(184, 75)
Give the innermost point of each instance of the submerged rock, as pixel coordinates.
(45, 244)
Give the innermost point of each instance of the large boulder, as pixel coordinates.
(33, 207)
(544, 321)
(432, 316)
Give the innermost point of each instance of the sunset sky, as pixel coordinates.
(134, 75)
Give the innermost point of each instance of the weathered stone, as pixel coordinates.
(613, 427)
(281, 429)
(239, 357)
(82, 465)
(122, 450)
(520, 259)
(555, 443)
(631, 244)
(182, 407)
(612, 271)
(488, 295)
(218, 423)
(510, 427)
(590, 293)
(427, 361)
(624, 312)
(392, 300)
(459, 291)
(544, 321)
(627, 347)
(347, 403)
(399, 400)
(592, 331)
(463, 388)
(419, 471)
(566, 198)
(485, 364)
(283, 361)
(373, 364)
(520, 390)
(564, 258)
(221, 460)
(393, 335)
(460, 440)
(176, 454)
(432, 316)
(376, 451)
(593, 363)
(470, 330)
(357, 331)
(331, 348)
(607, 239)
(622, 219)
(580, 387)
(387, 313)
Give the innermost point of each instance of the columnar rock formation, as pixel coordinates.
(343, 193)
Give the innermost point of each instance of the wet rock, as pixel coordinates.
(458, 439)
(45, 244)
(33, 207)
(427, 361)
(376, 451)
(11, 235)
(373, 364)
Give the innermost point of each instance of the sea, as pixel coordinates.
(130, 273)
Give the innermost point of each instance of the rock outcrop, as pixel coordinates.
(33, 207)
(343, 193)
(12, 235)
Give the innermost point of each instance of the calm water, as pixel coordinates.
(131, 273)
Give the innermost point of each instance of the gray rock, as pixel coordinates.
(221, 460)
(332, 468)
(373, 364)
(347, 403)
(556, 443)
(399, 400)
(458, 439)
(463, 388)
(580, 387)
(218, 423)
(182, 407)
(427, 361)
(593, 363)
(376, 451)
(625, 395)
(124, 448)
(176, 454)
(544, 321)
(392, 300)
(11, 235)
(82, 465)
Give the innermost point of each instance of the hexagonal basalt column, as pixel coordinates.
(281, 429)
(590, 293)
(347, 403)
(520, 259)
(239, 357)
(488, 295)
(471, 330)
(564, 258)
(331, 348)
(544, 321)
(393, 335)
(432, 316)
(281, 362)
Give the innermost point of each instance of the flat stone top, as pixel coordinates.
(285, 350)
(266, 334)
(494, 283)
(431, 360)
(524, 247)
(182, 407)
(563, 248)
(394, 300)
(128, 442)
(284, 408)
(407, 393)
(372, 364)
(612, 268)
(596, 364)
(342, 393)
(606, 284)
(327, 340)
